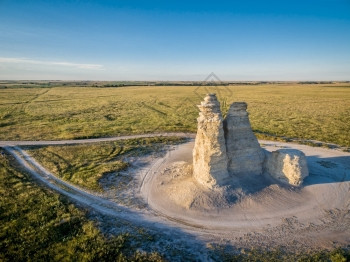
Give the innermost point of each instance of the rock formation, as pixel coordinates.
(226, 150)
(287, 165)
(245, 156)
(209, 153)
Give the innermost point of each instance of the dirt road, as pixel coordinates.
(315, 216)
(88, 140)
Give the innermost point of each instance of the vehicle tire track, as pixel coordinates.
(147, 218)
(91, 140)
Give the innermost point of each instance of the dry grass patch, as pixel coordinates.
(85, 164)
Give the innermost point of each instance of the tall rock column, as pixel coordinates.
(245, 156)
(209, 153)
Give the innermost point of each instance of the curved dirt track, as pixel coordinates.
(317, 215)
(88, 140)
(105, 207)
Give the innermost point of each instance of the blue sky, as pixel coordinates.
(175, 40)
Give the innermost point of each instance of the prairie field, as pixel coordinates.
(40, 224)
(303, 111)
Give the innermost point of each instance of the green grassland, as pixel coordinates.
(38, 225)
(85, 164)
(309, 111)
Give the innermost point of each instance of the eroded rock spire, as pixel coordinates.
(209, 153)
(245, 156)
(227, 150)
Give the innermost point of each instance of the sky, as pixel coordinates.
(242, 40)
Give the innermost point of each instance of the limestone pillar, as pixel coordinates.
(209, 153)
(245, 156)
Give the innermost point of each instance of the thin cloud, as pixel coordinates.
(14, 60)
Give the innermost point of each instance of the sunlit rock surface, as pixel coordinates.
(228, 150)
(209, 153)
(245, 156)
(287, 165)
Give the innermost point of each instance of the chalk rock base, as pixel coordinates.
(287, 165)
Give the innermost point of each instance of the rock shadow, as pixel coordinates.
(327, 170)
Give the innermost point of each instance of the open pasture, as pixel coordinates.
(307, 111)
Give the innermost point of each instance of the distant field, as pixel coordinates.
(311, 111)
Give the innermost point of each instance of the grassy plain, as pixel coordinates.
(309, 111)
(39, 225)
(85, 164)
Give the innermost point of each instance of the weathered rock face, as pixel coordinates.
(287, 165)
(209, 153)
(226, 150)
(245, 156)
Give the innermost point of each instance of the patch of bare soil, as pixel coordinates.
(257, 211)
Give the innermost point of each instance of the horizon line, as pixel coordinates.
(169, 81)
